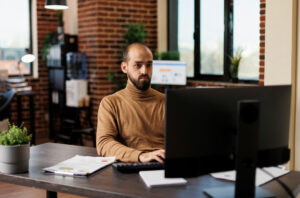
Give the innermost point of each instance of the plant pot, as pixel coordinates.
(14, 158)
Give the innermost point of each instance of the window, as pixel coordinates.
(185, 33)
(211, 37)
(246, 37)
(207, 32)
(15, 28)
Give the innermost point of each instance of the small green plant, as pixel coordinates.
(47, 44)
(111, 76)
(235, 63)
(15, 135)
(170, 55)
(136, 33)
(60, 20)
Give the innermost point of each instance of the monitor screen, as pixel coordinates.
(201, 128)
(168, 73)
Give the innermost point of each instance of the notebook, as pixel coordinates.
(80, 165)
(157, 178)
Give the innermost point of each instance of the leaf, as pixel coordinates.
(15, 135)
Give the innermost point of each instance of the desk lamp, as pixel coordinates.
(56, 4)
(27, 58)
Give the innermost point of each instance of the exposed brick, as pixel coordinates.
(46, 22)
(109, 39)
(262, 41)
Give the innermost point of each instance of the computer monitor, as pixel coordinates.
(216, 129)
(168, 72)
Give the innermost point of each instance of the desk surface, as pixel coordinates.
(110, 183)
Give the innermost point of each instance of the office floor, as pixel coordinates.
(16, 191)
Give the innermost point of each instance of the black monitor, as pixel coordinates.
(217, 129)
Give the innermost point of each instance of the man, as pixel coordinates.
(131, 121)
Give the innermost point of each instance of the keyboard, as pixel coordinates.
(127, 167)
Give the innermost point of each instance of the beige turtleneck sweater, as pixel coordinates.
(129, 122)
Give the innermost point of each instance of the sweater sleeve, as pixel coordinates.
(107, 131)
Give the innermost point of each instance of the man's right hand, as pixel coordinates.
(158, 155)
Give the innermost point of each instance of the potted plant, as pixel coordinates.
(235, 64)
(170, 55)
(14, 149)
(135, 33)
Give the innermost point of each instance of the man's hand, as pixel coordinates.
(158, 155)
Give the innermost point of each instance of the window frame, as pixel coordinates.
(228, 40)
(31, 42)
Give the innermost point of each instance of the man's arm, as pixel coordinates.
(107, 132)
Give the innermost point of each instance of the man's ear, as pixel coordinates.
(124, 67)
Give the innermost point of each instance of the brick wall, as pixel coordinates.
(262, 42)
(101, 26)
(46, 22)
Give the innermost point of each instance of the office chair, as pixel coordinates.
(5, 99)
(75, 122)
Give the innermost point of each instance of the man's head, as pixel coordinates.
(137, 64)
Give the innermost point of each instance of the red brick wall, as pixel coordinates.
(46, 22)
(101, 26)
(262, 42)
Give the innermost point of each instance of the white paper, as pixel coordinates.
(80, 165)
(157, 178)
(260, 178)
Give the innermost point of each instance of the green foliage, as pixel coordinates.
(235, 63)
(47, 44)
(116, 80)
(156, 55)
(169, 55)
(59, 15)
(15, 135)
(136, 33)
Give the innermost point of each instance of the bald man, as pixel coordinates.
(131, 121)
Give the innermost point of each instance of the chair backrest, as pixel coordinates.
(5, 99)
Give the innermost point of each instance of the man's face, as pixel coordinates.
(139, 67)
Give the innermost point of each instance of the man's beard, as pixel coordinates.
(140, 84)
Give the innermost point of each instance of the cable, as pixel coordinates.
(283, 185)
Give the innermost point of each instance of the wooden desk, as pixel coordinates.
(110, 183)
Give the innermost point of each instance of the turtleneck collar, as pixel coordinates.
(136, 93)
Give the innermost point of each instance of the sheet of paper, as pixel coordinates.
(157, 178)
(260, 179)
(80, 165)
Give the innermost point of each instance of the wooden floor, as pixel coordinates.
(15, 191)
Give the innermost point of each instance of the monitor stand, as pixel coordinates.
(246, 155)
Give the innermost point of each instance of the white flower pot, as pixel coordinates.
(14, 159)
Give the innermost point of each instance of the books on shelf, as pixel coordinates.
(80, 165)
(18, 84)
(19, 89)
(21, 84)
(15, 80)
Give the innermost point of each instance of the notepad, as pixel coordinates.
(80, 165)
(157, 178)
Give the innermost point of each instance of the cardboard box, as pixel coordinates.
(76, 92)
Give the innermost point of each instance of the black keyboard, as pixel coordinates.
(126, 167)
